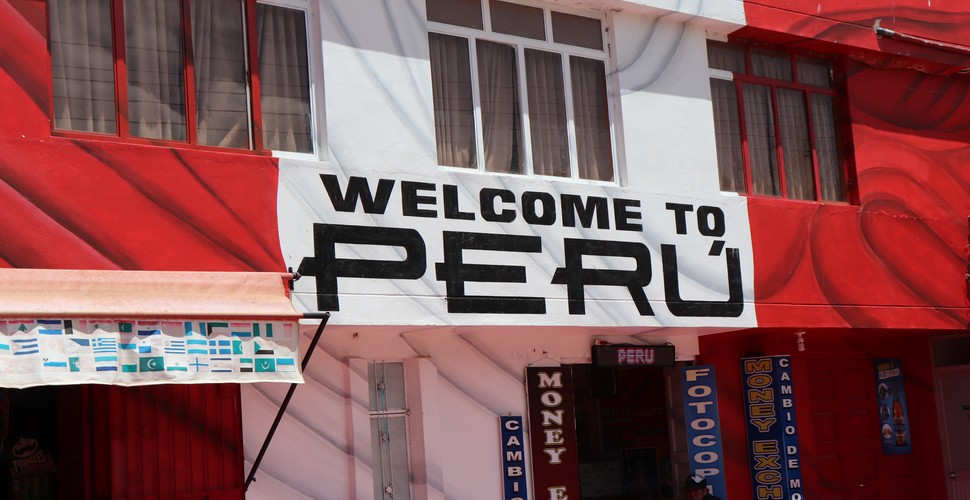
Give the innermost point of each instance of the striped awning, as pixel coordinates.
(146, 327)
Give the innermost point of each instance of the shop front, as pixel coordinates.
(123, 383)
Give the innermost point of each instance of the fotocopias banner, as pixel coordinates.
(552, 433)
(704, 427)
(769, 404)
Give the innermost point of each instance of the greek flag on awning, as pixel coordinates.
(143, 327)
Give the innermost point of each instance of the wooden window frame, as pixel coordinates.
(835, 91)
(123, 132)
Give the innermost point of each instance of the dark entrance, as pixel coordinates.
(622, 432)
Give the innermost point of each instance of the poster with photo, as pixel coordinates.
(893, 417)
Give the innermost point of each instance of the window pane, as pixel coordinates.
(770, 64)
(547, 113)
(218, 53)
(814, 72)
(592, 116)
(515, 19)
(83, 65)
(727, 134)
(830, 172)
(760, 135)
(501, 117)
(451, 84)
(577, 30)
(796, 145)
(466, 13)
(153, 55)
(389, 446)
(386, 383)
(725, 56)
(284, 79)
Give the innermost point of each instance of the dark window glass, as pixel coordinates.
(467, 13)
(577, 30)
(515, 19)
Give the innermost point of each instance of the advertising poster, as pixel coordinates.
(769, 404)
(552, 433)
(704, 445)
(893, 417)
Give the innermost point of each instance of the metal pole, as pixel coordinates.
(324, 317)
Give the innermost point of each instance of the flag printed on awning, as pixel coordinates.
(46, 351)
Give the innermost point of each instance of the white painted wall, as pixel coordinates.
(467, 370)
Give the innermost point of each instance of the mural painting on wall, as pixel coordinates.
(909, 133)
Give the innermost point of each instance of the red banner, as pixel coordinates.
(552, 432)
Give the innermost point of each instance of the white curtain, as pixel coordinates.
(727, 135)
(770, 64)
(153, 55)
(760, 134)
(218, 54)
(451, 81)
(547, 113)
(830, 172)
(284, 78)
(592, 118)
(501, 117)
(83, 62)
(795, 142)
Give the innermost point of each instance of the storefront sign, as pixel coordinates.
(555, 457)
(473, 245)
(513, 459)
(893, 417)
(633, 355)
(704, 427)
(769, 404)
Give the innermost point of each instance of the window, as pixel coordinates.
(179, 71)
(388, 424)
(775, 120)
(519, 90)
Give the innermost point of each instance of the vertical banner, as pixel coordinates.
(704, 427)
(893, 417)
(769, 405)
(513, 459)
(552, 433)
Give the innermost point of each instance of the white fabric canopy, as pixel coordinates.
(145, 327)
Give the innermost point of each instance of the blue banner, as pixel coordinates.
(704, 445)
(769, 404)
(513, 459)
(893, 417)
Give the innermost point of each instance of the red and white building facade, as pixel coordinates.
(479, 192)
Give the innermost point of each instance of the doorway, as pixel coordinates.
(951, 358)
(623, 433)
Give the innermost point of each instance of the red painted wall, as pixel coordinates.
(832, 356)
(897, 259)
(95, 203)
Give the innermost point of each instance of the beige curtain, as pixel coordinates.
(451, 81)
(284, 78)
(501, 120)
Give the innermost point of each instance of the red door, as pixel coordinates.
(848, 449)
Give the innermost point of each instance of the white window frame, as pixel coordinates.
(318, 118)
(521, 44)
(402, 413)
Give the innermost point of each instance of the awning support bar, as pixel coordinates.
(323, 317)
